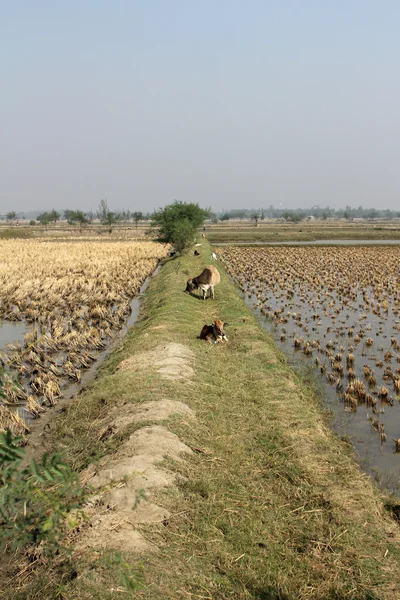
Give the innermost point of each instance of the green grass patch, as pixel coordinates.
(13, 233)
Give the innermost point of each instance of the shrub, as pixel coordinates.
(177, 223)
(38, 502)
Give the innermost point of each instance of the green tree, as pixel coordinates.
(137, 216)
(76, 217)
(11, 216)
(54, 216)
(255, 217)
(177, 223)
(106, 216)
(45, 218)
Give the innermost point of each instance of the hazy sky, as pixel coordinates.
(228, 103)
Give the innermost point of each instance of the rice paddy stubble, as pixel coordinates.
(339, 307)
(74, 297)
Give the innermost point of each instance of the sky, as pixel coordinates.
(231, 104)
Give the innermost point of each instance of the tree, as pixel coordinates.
(137, 216)
(177, 223)
(183, 235)
(225, 217)
(255, 217)
(54, 216)
(11, 216)
(106, 216)
(76, 217)
(293, 216)
(45, 218)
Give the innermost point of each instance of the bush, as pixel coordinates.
(177, 223)
(183, 235)
(32, 222)
(36, 501)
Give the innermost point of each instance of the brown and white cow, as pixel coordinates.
(205, 281)
(214, 334)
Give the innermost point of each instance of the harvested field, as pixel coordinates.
(339, 307)
(73, 297)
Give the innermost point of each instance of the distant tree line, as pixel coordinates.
(109, 218)
(296, 215)
(80, 218)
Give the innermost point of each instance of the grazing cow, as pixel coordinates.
(205, 281)
(214, 334)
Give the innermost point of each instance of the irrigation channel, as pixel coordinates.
(361, 424)
(11, 333)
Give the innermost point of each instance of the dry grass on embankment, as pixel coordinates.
(269, 505)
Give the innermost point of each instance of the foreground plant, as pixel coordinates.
(39, 503)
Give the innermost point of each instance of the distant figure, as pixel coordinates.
(202, 235)
(196, 253)
(214, 256)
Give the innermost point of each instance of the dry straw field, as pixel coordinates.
(340, 306)
(73, 296)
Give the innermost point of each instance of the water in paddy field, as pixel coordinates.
(11, 333)
(377, 456)
(320, 333)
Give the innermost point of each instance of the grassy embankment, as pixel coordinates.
(302, 232)
(271, 505)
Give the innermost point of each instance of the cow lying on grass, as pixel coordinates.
(214, 334)
(205, 281)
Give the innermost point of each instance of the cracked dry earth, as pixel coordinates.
(134, 471)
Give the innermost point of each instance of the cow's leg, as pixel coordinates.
(212, 291)
(204, 293)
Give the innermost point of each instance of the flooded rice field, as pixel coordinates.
(62, 308)
(337, 309)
